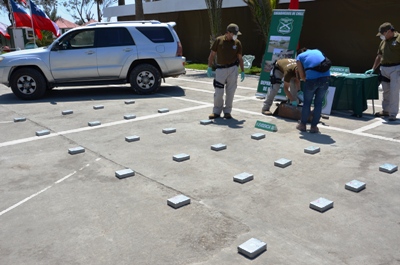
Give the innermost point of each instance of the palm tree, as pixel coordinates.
(214, 13)
(262, 14)
(139, 15)
(99, 14)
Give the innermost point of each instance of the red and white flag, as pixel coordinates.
(3, 30)
(23, 2)
(42, 21)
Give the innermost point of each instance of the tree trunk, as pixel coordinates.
(99, 15)
(139, 15)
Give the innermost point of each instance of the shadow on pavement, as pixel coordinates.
(231, 123)
(317, 138)
(348, 115)
(92, 93)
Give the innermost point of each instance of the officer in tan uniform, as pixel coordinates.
(285, 69)
(389, 60)
(228, 50)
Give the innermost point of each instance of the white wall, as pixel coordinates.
(167, 6)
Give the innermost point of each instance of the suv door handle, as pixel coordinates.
(127, 49)
(89, 52)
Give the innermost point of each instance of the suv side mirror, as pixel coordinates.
(56, 46)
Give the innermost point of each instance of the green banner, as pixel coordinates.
(284, 35)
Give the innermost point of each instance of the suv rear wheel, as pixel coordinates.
(145, 79)
(28, 83)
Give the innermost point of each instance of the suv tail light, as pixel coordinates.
(179, 49)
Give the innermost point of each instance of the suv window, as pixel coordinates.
(78, 40)
(157, 34)
(113, 37)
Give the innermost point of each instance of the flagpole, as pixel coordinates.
(33, 28)
(9, 15)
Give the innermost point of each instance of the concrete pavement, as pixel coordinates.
(57, 208)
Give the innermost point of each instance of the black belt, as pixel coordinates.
(227, 65)
(390, 64)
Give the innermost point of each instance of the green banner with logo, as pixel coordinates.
(283, 38)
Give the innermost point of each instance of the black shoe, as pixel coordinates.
(214, 116)
(382, 114)
(227, 116)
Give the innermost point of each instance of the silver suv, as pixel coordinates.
(138, 52)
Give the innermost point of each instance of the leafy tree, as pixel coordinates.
(273, 4)
(81, 10)
(262, 14)
(47, 39)
(5, 8)
(48, 6)
(101, 4)
(214, 8)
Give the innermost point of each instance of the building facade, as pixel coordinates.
(344, 30)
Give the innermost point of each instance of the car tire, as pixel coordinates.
(28, 83)
(145, 79)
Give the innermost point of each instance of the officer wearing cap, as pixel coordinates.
(228, 50)
(389, 60)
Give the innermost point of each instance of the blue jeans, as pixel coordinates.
(317, 87)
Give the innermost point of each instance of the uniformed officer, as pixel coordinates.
(285, 69)
(228, 50)
(389, 60)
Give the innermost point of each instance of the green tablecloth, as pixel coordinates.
(353, 91)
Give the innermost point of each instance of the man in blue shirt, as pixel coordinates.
(316, 84)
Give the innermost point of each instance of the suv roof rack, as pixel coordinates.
(129, 22)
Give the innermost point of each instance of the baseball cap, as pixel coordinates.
(234, 29)
(384, 27)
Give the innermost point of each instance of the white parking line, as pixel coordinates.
(64, 178)
(24, 200)
(369, 127)
(82, 129)
(37, 193)
(211, 92)
(210, 83)
(358, 131)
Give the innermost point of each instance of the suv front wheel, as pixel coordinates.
(145, 79)
(28, 83)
